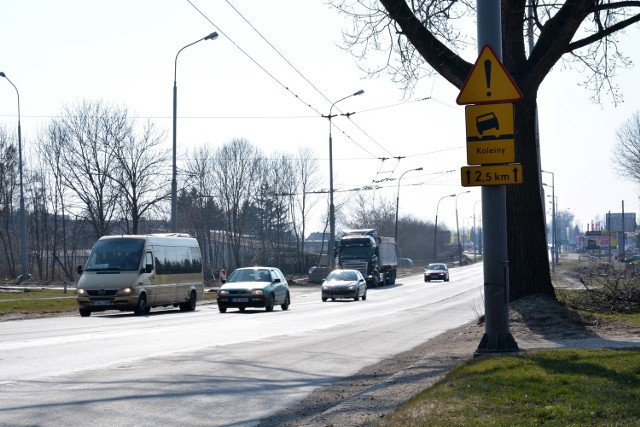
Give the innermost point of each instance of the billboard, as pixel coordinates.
(601, 239)
(614, 222)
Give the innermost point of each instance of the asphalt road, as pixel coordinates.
(207, 368)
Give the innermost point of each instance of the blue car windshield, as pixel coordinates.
(250, 275)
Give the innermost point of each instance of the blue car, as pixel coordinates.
(259, 287)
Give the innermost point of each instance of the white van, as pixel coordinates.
(140, 272)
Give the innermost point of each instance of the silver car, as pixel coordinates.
(436, 271)
(344, 284)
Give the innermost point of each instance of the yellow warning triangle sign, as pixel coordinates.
(488, 82)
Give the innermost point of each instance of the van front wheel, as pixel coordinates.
(141, 306)
(84, 312)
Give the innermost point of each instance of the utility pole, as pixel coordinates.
(497, 337)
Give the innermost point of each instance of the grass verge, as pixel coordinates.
(558, 387)
(551, 387)
(45, 301)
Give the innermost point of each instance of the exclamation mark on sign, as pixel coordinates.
(487, 75)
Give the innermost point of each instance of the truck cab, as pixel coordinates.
(372, 255)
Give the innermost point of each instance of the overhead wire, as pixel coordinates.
(382, 159)
(295, 69)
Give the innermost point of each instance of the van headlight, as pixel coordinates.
(125, 291)
(82, 291)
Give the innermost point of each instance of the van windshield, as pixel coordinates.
(116, 255)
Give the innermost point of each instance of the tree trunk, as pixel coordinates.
(526, 230)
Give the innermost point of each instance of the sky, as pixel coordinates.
(270, 76)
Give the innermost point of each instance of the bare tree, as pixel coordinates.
(64, 241)
(141, 173)
(272, 205)
(208, 218)
(367, 210)
(89, 132)
(39, 229)
(420, 37)
(236, 169)
(8, 185)
(305, 183)
(626, 153)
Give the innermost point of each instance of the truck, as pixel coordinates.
(373, 255)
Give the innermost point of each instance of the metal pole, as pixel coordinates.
(475, 233)
(435, 229)
(553, 219)
(174, 182)
(332, 213)
(497, 337)
(458, 229)
(624, 235)
(398, 199)
(23, 219)
(555, 228)
(609, 233)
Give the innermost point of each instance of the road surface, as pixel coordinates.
(207, 368)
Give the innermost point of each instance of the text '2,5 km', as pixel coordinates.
(491, 175)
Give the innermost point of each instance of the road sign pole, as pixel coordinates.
(497, 337)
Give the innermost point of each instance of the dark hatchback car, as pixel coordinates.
(436, 271)
(344, 284)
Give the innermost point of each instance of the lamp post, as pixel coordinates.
(475, 233)
(398, 198)
(554, 260)
(332, 213)
(435, 229)
(458, 228)
(554, 210)
(174, 183)
(23, 220)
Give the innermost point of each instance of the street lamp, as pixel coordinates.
(332, 213)
(435, 229)
(23, 220)
(476, 242)
(554, 210)
(174, 183)
(398, 198)
(554, 260)
(458, 228)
